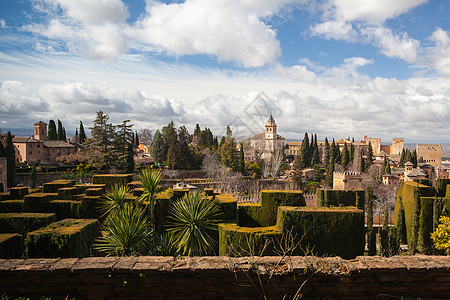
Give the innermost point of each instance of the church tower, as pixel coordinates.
(271, 129)
(40, 130)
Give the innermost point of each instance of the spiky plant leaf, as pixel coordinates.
(114, 199)
(192, 218)
(126, 232)
(149, 181)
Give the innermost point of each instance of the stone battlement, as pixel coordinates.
(348, 174)
(220, 277)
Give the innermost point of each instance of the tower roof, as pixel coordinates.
(40, 123)
(271, 120)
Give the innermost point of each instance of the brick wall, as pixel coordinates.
(226, 278)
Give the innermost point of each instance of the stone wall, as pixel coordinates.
(228, 278)
(431, 153)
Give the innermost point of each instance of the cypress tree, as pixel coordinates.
(401, 224)
(345, 158)
(64, 137)
(241, 159)
(326, 153)
(304, 153)
(415, 227)
(352, 152)
(414, 158)
(10, 161)
(330, 171)
(52, 135)
(33, 175)
(157, 148)
(384, 233)
(369, 157)
(2, 150)
(82, 137)
(362, 162)
(402, 159)
(296, 175)
(129, 166)
(136, 139)
(408, 156)
(371, 235)
(60, 134)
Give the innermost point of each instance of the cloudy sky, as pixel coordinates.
(337, 68)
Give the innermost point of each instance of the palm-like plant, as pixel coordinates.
(114, 199)
(149, 181)
(192, 219)
(126, 232)
(163, 245)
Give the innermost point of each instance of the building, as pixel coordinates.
(3, 174)
(410, 174)
(265, 144)
(430, 153)
(392, 180)
(347, 180)
(37, 149)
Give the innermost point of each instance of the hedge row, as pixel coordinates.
(24, 222)
(66, 238)
(441, 186)
(10, 206)
(52, 187)
(340, 198)
(228, 206)
(325, 231)
(109, 180)
(11, 245)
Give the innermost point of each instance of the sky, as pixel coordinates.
(338, 68)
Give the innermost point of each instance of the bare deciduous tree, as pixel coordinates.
(146, 136)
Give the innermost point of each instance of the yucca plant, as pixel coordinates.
(126, 232)
(163, 245)
(191, 220)
(114, 199)
(149, 181)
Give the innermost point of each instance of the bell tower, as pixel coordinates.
(271, 129)
(40, 130)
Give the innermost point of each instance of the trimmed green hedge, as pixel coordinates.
(17, 193)
(37, 202)
(66, 238)
(24, 222)
(447, 193)
(83, 187)
(66, 209)
(249, 214)
(209, 191)
(52, 187)
(228, 206)
(109, 180)
(441, 186)
(424, 242)
(272, 199)
(10, 206)
(95, 191)
(340, 197)
(246, 241)
(4, 196)
(163, 204)
(90, 207)
(179, 193)
(11, 245)
(67, 193)
(325, 231)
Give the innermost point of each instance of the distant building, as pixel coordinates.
(264, 145)
(346, 180)
(392, 180)
(430, 153)
(37, 149)
(3, 174)
(142, 148)
(410, 174)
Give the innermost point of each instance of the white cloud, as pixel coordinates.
(438, 56)
(230, 30)
(399, 46)
(370, 10)
(3, 23)
(335, 29)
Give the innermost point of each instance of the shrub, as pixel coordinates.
(109, 180)
(66, 238)
(52, 187)
(11, 245)
(228, 206)
(24, 222)
(340, 197)
(441, 236)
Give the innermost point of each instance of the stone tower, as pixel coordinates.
(397, 145)
(271, 129)
(40, 130)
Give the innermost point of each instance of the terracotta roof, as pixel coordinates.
(415, 173)
(58, 144)
(25, 139)
(39, 123)
(409, 164)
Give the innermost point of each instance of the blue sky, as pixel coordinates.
(337, 68)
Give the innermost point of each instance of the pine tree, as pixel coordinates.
(241, 159)
(187, 160)
(10, 161)
(123, 138)
(102, 137)
(173, 159)
(296, 174)
(52, 135)
(82, 137)
(345, 158)
(60, 134)
(318, 173)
